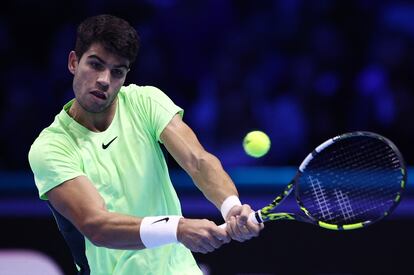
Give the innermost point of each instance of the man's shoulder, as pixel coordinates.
(48, 142)
(136, 90)
(54, 134)
(51, 144)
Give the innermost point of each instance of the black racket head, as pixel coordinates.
(351, 181)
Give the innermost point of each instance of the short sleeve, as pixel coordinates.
(154, 106)
(53, 162)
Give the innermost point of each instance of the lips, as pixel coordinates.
(99, 94)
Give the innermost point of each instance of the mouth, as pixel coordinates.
(99, 94)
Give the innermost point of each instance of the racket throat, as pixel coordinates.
(258, 217)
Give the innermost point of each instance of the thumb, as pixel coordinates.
(244, 215)
(242, 220)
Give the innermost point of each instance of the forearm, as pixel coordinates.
(79, 202)
(113, 230)
(212, 180)
(204, 168)
(117, 231)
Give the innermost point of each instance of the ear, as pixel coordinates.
(72, 62)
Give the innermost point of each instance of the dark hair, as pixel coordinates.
(115, 34)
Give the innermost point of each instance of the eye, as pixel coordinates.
(118, 73)
(96, 65)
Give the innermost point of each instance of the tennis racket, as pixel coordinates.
(348, 182)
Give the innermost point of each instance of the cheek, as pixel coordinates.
(117, 84)
(81, 80)
(78, 84)
(75, 83)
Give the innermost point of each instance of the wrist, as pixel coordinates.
(228, 204)
(181, 225)
(159, 230)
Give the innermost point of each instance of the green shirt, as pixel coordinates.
(127, 166)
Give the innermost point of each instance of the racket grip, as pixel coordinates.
(252, 218)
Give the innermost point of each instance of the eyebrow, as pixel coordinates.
(94, 56)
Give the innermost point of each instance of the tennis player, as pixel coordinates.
(101, 168)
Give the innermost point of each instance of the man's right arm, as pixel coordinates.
(80, 202)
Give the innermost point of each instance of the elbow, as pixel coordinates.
(202, 162)
(92, 229)
(98, 239)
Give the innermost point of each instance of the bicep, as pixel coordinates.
(77, 200)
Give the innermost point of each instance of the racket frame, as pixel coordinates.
(265, 214)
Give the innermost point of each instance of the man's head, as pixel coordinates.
(114, 34)
(105, 48)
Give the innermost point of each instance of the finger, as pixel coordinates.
(198, 248)
(201, 250)
(221, 235)
(238, 235)
(254, 228)
(202, 247)
(210, 244)
(246, 233)
(229, 227)
(242, 220)
(215, 242)
(244, 230)
(244, 214)
(212, 239)
(234, 211)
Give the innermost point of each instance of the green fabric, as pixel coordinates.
(130, 174)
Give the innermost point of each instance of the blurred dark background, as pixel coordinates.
(302, 71)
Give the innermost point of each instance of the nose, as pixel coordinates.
(104, 79)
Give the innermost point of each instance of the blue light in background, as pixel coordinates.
(257, 186)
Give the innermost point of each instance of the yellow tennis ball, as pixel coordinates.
(256, 144)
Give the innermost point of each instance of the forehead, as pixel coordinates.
(108, 57)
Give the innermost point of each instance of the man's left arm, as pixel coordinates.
(209, 176)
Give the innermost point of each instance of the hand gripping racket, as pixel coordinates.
(348, 182)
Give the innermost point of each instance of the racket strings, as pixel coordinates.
(368, 171)
(352, 180)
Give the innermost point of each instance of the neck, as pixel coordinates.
(96, 122)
